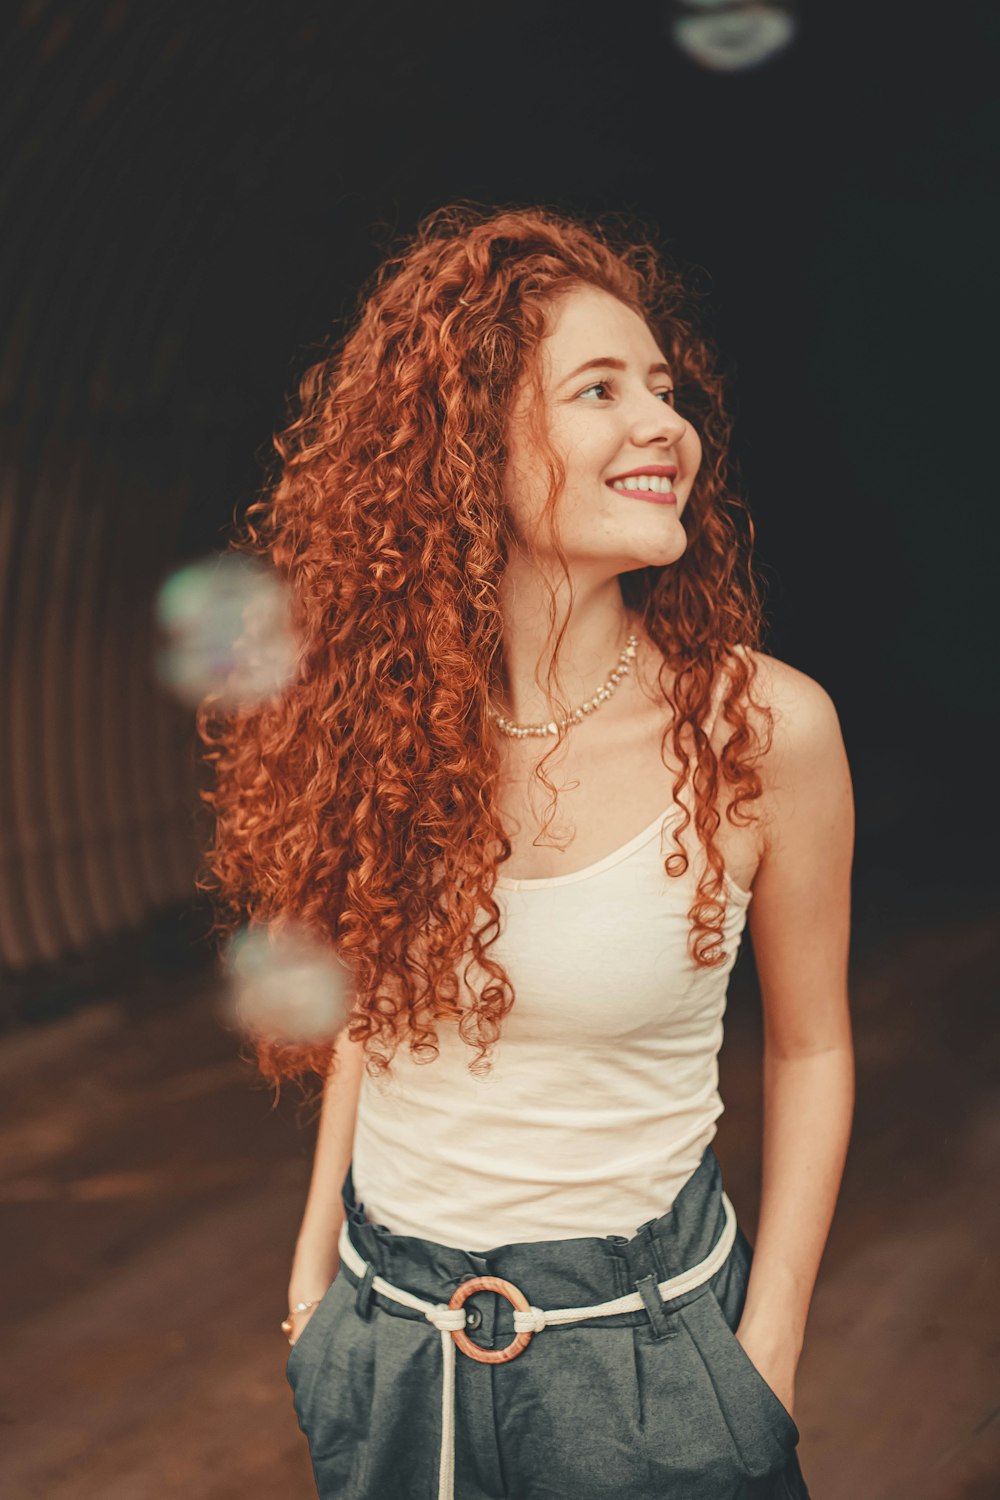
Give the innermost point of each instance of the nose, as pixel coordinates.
(656, 421)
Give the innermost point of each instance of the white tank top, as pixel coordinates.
(604, 1089)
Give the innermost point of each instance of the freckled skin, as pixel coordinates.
(603, 423)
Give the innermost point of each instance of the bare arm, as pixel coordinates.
(800, 925)
(317, 1259)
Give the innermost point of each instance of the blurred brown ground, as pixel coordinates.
(151, 1199)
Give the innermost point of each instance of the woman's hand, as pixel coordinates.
(298, 1321)
(775, 1357)
(312, 1276)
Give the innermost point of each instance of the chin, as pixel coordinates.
(662, 557)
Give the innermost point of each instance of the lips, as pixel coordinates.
(657, 499)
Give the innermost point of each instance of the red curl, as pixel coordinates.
(362, 803)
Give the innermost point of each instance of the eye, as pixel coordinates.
(597, 386)
(668, 391)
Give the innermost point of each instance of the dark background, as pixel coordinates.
(191, 196)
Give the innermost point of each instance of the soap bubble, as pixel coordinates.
(284, 985)
(730, 35)
(227, 620)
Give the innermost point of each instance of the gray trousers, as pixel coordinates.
(661, 1404)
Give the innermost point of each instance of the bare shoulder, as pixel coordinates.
(805, 769)
(804, 715)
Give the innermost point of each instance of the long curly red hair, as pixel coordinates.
(361, 804)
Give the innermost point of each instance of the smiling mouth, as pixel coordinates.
(641, 484)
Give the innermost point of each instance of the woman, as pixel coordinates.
(502, 505)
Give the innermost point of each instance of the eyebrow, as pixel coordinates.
(608, 362)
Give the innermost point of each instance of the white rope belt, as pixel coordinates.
(449, 1318)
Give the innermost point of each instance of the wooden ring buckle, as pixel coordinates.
(514, 1295)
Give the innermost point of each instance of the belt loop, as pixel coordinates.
(647, 1289)
(664, 1263)
(363, 1301)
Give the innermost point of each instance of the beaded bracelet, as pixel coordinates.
(286, 1324)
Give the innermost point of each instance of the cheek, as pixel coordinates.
(525, 490)
(690, 453)
(518, 497)
(588, 449)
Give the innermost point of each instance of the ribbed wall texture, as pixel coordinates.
(108, 447)
(97, 769)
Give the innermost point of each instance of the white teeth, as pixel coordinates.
(659, 484)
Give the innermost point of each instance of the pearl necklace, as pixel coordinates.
(522, 731)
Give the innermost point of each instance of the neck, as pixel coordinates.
(597, 626)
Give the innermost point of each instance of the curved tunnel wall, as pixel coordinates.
(116, 439)
(97, 769)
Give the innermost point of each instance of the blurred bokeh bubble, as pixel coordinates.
(285, 985)
(228, 632)
(730, 35)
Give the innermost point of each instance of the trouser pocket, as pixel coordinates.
(331, 1372)
(712, 1428)
(763, 1432)
(316, 1328)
